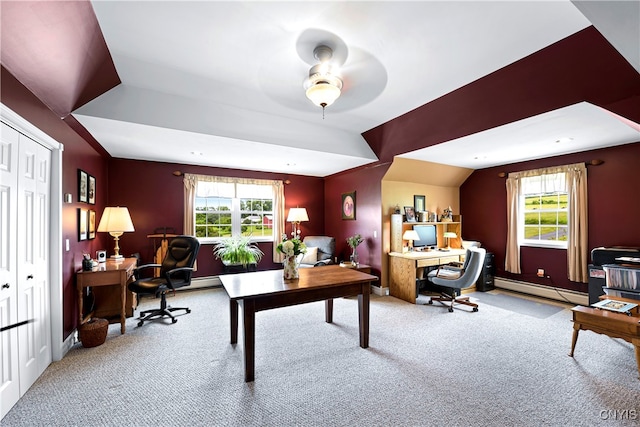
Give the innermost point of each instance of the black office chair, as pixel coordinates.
(175, 272)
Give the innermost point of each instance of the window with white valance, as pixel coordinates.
(219, 207)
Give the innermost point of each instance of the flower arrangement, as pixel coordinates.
(292, 247)
(354, 241)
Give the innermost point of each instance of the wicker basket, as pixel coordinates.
(94, 332)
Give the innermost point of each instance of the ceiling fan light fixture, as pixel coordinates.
(323, 86)
(323, 94)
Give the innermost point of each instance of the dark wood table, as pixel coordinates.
(265, 290)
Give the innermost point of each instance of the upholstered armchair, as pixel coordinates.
(320, 251)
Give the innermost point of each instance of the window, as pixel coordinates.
(544, 211)
(548, 207)
(223, 209)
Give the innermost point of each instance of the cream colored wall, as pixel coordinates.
(440, 184)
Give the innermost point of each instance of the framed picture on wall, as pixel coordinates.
(349, 205)
(82, 224)
(91, 195)
(92, 224)
(83, 185)
(419, 203)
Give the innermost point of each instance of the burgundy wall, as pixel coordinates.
(614, 209)
(582, 67)
(155, 198)
(77, 154)
(367, 183)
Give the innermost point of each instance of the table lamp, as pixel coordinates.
(410, 235)
(449, 235)
(116, 221)
(296, 216)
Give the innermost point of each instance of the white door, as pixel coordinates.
(34, 338)
(24, 264)
(9, 373)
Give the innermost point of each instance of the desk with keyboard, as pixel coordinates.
(406, 267)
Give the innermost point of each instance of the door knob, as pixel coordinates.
(30, 276)
(5, 286)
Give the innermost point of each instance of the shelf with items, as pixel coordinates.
(622, 280)
(398, 227)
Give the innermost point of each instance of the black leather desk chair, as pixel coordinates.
(175, 272)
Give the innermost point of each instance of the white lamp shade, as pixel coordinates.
(115, 219)
(297, 215)
(450, 235)
(411, 235)
(323, 93)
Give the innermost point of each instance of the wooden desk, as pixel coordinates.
(109, 273)
(615, 325)
(405, 268)
(264, 290)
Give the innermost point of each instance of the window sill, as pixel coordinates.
(547, 245)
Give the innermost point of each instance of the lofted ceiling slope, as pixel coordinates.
(219, 83)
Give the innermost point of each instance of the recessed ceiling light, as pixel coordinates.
(563, 140)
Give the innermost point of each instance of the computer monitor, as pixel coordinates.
(427, 234)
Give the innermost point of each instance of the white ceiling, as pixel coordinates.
(220, 83)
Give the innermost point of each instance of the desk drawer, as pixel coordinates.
(448, 259)
(427, 262)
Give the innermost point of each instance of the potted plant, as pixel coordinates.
(237, 250)
(353, 243)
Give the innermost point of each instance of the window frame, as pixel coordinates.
(236, 216)
(552, 244)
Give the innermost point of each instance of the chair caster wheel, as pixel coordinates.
(140, 323)
(188, 310)
(475, 309)
(430, 302)
(174, 320)
(450, 310)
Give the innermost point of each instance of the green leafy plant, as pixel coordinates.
(238, 250)
(354, 241)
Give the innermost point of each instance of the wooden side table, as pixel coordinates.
(110, 273)
(615, 325)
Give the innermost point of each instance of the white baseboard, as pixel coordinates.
(559, 294)
(203, 282)
(67, 344)
(379, 290)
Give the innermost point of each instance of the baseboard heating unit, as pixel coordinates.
(558, 294)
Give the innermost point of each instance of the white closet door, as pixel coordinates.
(34, 338)
(9, 372)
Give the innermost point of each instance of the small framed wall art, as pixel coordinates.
(83, 185)
(92, 224)
(418, 203)
(91, 194)
(349, 205)
(82, 224)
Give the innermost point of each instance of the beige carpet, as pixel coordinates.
(425, 366)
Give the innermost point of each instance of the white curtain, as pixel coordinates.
(218, 186)
(575, 183)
